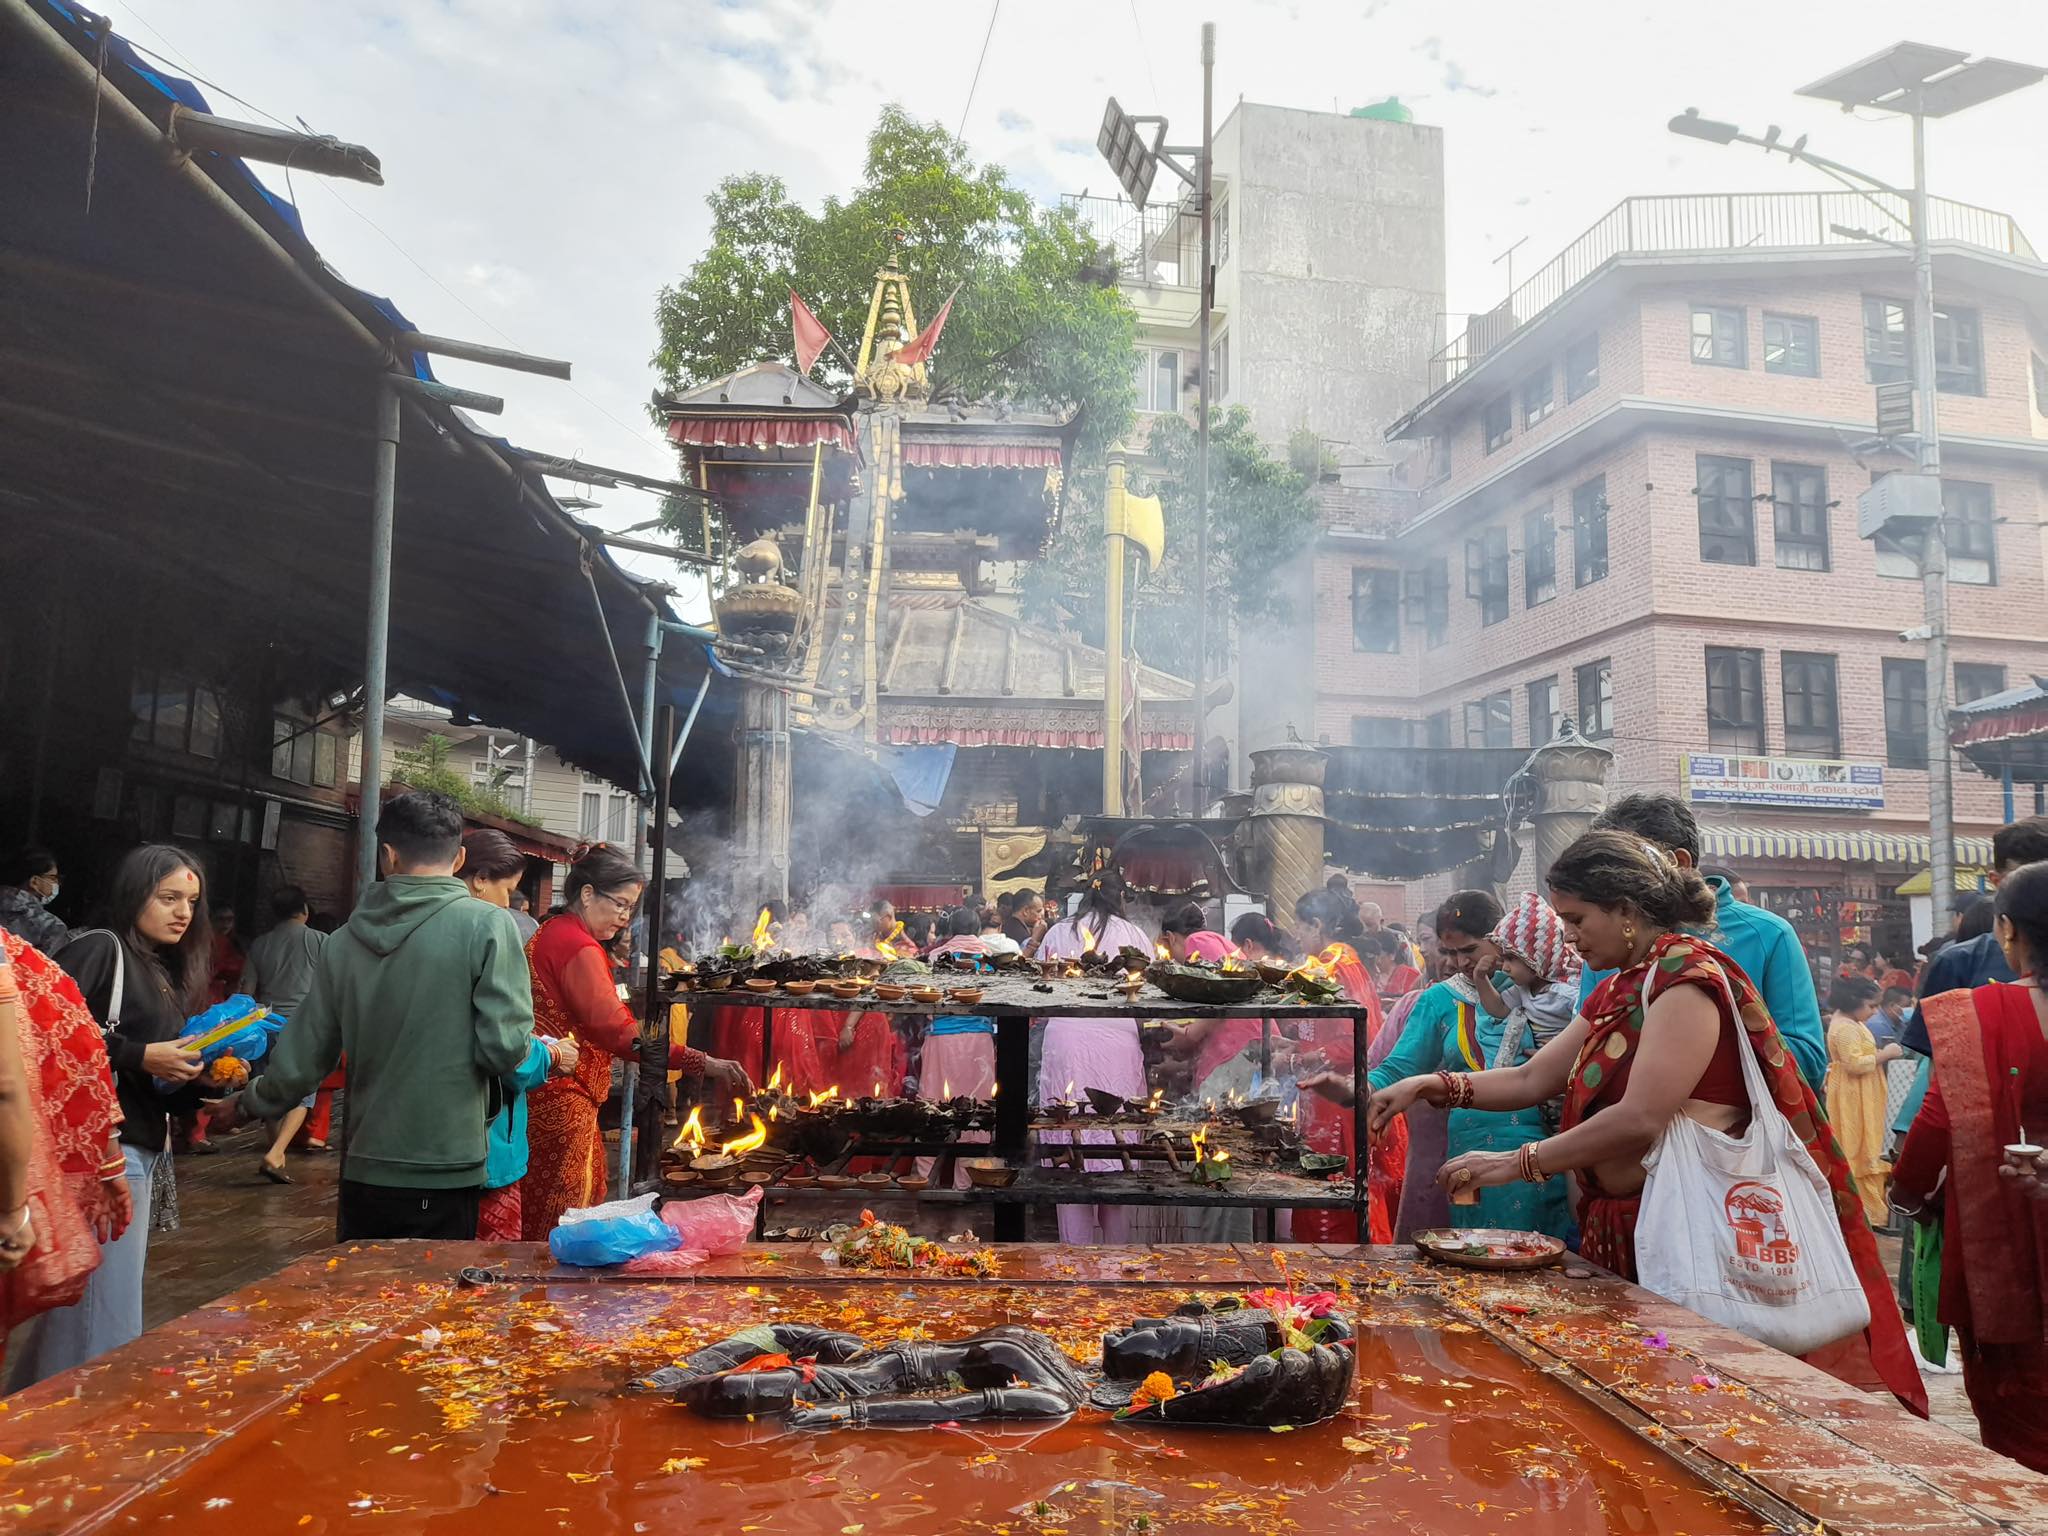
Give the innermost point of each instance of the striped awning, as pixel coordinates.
(1721, 843)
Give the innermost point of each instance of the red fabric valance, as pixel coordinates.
(2027, 720)
(1029, 736)
(760, 432)
(958, 455)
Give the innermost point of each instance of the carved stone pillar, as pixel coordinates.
(1570, 778)
(760, 809)
(1286, 823)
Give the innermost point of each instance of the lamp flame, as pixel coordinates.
(824, 1098)
(1163, 952)
(775, 1078)
(739, 1111)
(692, 1131)
(877, 1093)
(761, 931)
(946, 1088)
(886, 948)
(757, 1136)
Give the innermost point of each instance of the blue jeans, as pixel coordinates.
(109, 1314)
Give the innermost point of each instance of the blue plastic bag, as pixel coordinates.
(612, 1239)
(251, 1043)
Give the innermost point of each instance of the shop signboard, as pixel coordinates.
(1799, 783)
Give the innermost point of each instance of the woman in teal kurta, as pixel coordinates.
(1448, 1031)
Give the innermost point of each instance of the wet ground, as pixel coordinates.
(274, 1224)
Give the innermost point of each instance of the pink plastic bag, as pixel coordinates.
(714, 1223)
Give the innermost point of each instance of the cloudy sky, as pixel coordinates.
(546, 161)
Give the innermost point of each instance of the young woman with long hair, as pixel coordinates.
(142, 977)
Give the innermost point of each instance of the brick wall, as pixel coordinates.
(1661, 604)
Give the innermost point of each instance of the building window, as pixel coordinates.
(1497, 422)
(1735, 700)
(1905, 713)
(1539, 397)
(1727, 515)
(1539, 558)
(1219, 368)
(1958, 352)
(1813, 720)
(1589, 531)
(1887, 352)
(1381, 731)
(1542, 710)
(203, 739)
(1582, 367)
(326, 759)
(1428, 598)
(1158, 380)
(1490, 722)
(1219, 229)
(1966, 515)
(1436, 729)
(2040, 367)
(1791, 345)
(1375, 610)
(1595, 682)
(1799, 506)
(1718, 336)
(1978, 680)
(603, 813)
(1486, 574)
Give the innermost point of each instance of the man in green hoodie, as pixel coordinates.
(426, 991)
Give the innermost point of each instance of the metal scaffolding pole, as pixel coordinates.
(377, 639)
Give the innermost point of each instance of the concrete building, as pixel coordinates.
(1329, 260)
(1634, 503)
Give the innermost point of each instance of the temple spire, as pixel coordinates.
(892, 321)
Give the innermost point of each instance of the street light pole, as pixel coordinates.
(1919, 82)
(1941, 804)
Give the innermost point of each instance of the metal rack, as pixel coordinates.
(1012, 1001)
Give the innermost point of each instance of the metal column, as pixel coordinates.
(1941, 804)
(1198, 776)
(377, 638)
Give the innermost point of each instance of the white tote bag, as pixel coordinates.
(1742, 1229)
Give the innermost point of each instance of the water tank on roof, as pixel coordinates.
(1388, 111)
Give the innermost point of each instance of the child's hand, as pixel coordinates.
(1486, 958)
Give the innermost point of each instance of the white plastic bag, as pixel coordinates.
(611, 1210)
(1742, 1229)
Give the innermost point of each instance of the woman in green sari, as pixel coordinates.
(1449, 1030)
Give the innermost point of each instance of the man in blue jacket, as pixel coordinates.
(1761, 942)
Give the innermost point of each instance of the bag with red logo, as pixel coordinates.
(1742, 1229)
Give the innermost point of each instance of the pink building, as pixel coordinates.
(1636, 491)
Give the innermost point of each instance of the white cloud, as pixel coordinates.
(548, 160)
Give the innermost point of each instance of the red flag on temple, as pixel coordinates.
(920, 350)
(811, 335)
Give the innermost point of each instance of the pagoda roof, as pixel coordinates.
(770, 387)
(967, 672)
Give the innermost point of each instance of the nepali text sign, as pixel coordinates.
(1801, 782)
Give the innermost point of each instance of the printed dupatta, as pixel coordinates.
(1599, 1077)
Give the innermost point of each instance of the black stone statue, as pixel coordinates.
(814, 1378)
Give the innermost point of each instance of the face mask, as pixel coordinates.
(51, 895)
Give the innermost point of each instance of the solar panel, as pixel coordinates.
(1123, 145)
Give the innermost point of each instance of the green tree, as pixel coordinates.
(1028, 327)
(1262, 513)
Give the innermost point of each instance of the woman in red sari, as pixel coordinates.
(1327, 1126)
(1989, 1092)
(49, 1239)
(1626, 1067)
(574, 995)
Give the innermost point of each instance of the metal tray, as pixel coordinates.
(1454, 1239)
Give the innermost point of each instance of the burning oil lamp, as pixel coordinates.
(1133, 980)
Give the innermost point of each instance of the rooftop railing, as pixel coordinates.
(1732, 221)
(1154, 245)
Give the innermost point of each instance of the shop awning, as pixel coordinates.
(1969, 882)
(1721, 843)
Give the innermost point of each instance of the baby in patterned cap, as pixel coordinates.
(1530, 945)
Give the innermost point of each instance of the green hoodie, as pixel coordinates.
(426, 991)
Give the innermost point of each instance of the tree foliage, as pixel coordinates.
(1028, 326)
(1262, 514)
(428, 766)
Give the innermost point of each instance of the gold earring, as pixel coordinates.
(1628, 934)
